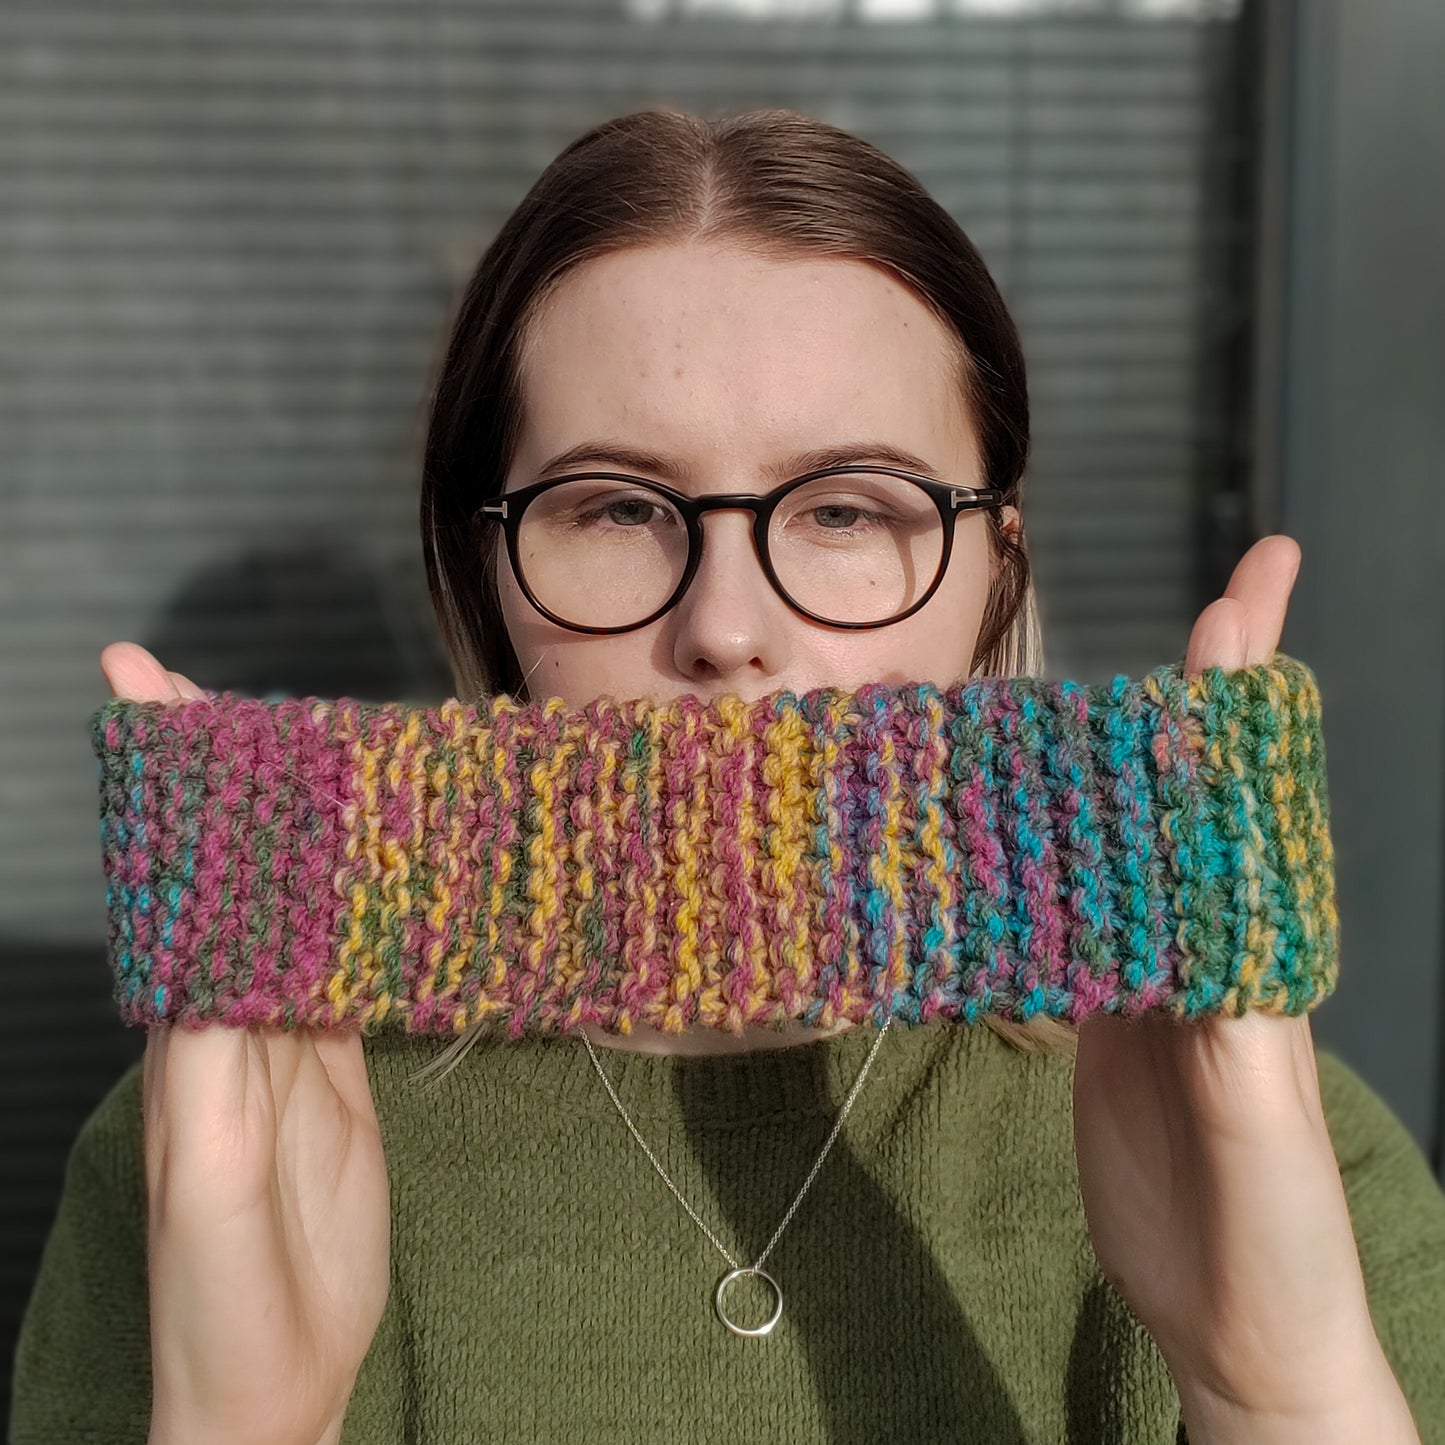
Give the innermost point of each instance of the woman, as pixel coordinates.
(1145, 1232)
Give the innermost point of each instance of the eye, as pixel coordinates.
(625, 512)
(597, 507)
(840, 516)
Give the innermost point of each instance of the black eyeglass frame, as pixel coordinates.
(506, 511)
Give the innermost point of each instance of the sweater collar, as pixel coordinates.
(554, 1075)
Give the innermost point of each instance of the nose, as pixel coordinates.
(728, 625)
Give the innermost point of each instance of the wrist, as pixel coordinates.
(162, 1433)
(333, 1433)
(1364, 1402)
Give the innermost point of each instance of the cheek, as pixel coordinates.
(525, 625)
(532, 636)
(965, 585)
(937, 642)
(510, 594)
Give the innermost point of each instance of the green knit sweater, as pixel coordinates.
(938, 1278)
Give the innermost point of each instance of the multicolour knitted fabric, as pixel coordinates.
(1005, 846)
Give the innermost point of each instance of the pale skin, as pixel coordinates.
(1210, 1186)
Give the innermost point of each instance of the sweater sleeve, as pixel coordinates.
(1397, 1211)
(82, 1357)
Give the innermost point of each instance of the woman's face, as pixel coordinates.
(727, 363)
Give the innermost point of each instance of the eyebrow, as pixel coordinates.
(817, 459)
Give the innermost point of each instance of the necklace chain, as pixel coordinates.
(757, 1266)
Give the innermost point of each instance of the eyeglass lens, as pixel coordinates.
(855, 547)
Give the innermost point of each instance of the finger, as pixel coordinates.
(135, 675)
(1261, 581)
(1218, 638)
(184, 685)
(341, 1054)
(153, 1074)
(285, 1052)
(1252, 609)
(153, 1065)
(217, 1084)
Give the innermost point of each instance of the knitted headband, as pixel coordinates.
(1005, 846)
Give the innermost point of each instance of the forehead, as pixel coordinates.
(721, 355)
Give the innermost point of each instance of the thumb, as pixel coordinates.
(135, 674)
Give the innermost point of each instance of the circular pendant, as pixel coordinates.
(727, 1279)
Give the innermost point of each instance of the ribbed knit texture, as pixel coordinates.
(546, 1289)
(1009, 846)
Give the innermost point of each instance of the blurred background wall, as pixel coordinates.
(230, 237)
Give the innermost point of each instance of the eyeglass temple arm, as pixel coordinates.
(979, 496)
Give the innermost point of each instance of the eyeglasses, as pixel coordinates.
(854, 547)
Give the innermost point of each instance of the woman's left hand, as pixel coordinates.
(1210, 1185)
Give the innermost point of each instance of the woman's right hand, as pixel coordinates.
(269, 1210)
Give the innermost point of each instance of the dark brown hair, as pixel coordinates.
(782, 184)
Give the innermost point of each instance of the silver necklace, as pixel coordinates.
(756, 1268)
